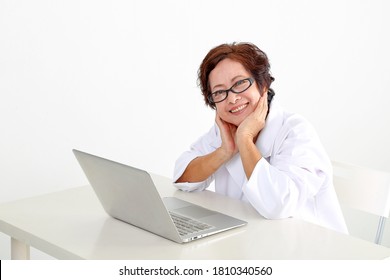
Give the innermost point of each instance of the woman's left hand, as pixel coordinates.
(255, 122)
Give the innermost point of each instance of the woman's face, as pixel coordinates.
(236, 107)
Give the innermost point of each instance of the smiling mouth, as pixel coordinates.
(239, 108)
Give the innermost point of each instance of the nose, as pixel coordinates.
(233, 97)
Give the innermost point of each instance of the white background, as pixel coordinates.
(118, 79)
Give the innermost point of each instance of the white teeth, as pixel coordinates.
(239, 108)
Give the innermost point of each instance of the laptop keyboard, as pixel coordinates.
(187, 225)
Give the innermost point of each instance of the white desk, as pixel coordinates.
(71, 224)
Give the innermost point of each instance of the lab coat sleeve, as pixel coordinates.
(294, 174)
(203, 146)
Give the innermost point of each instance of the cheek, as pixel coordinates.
(223, 114)
(220, 112)
(256, 101)
(255, 96)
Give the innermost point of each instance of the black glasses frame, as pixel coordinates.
(210, 96)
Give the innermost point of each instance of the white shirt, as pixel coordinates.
(293, 178)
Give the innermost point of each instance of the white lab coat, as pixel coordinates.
(293, 178)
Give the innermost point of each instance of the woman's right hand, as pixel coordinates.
(228, 135)
(202, 167)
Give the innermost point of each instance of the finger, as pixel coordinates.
(262, 107)
(218, 120)
(264, 97)
(224, 127)
(262, 104)
(232, 129)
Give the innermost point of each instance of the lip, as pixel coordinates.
(241, 108)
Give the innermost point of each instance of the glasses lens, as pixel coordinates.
(218, 96)
(241, 86)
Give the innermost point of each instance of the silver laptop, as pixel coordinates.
(129, 194)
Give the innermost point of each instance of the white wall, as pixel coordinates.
(118, 78)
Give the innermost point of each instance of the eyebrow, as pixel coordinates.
(233, 79)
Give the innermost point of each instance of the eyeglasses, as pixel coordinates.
(239, 87)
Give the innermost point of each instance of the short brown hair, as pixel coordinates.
(250, 56)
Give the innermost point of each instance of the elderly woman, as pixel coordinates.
(256, 151)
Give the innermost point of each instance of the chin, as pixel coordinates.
(235, 122)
